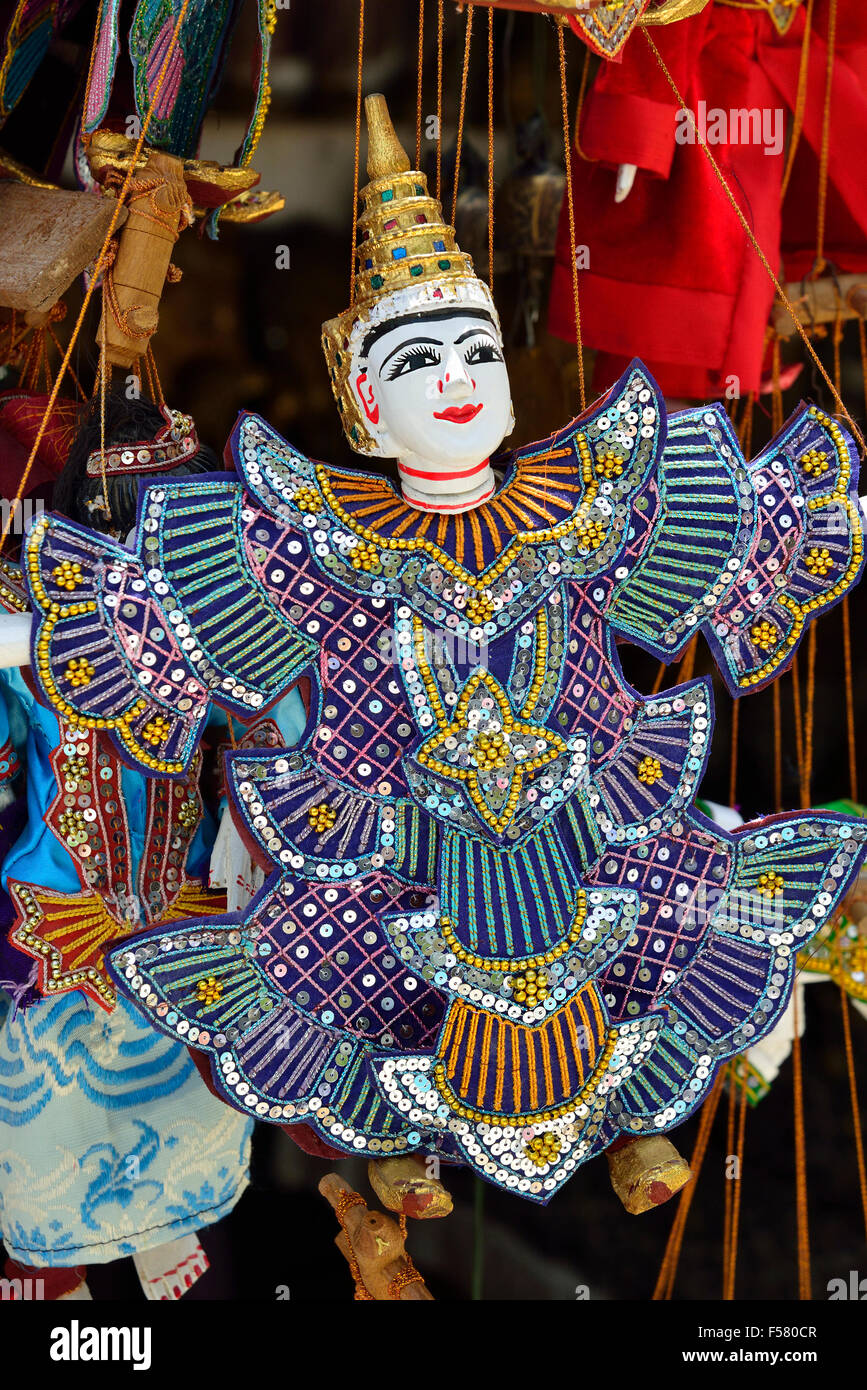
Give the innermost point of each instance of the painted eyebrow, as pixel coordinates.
(409, 343)
(474, 333)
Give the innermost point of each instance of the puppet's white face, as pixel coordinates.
(435, 395)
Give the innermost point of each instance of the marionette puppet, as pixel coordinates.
(110, 1143)
(496, 928)
(670, 273)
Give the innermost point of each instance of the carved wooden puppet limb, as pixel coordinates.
(373, 1246)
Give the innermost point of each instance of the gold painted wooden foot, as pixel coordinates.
(646, 1172)
(403, 1185)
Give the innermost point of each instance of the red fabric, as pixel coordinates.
(672, 277)
(54, 1282)
(21, 415)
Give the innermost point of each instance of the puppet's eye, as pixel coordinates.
(420, 355)
(483, 350)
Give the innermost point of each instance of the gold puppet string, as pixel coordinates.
(778, 748)
(757, 248)
(809, 719)
(853, 1095)
(733, 757)
(799, 722)
(844, 606)
(97, 270)
(582, 92)
(440, 98)
(801, 1212)
(357, 162)
(104, 371)
(570, 201)
(419, 86)
(671, 1258)
(731, 1252)
(462, 109)
(800, 100)
(728, 1189)
(491, 149)
(826, 137)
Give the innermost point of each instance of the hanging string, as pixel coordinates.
(800, 100)
(853, 1095)
(807, 765)
(778, 748)
(439, 179)
(862, 338)
(844, 606)
(660, 677)
(76, 383)
(837, 336)
(799, 723)
(736, 1181)
(104, 386)
(418, 98)
(97, 271)
(745, 432)
(145, 362)
(462, 109)
(582, 92)
(151, 361)
(571, 206)
(478, 1271)
(357, 162)
(671, 1258)
(686, 669)
(724, 185)
(733, 759)
(831, 41)
(777, 392)
(733, 1088)
(491, 148)
(803, 1226)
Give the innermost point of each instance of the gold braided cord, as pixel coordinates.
(462, 109)
(439, 178)
(97, 271)
(731, 1254)
(357, 161)
(348, 1199)
(491, 148)
(420, 86)
(853, 1095)
(803, 1226)
(671, 1258)
(570, 202)
(582, 92)
(800, 99)
(826, 136)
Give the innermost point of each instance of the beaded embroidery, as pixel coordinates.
(496, 925)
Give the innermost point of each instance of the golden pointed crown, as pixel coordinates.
(408, 262)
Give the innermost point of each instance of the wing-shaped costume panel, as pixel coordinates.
(748, 552)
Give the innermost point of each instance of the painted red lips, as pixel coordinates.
(458, 414)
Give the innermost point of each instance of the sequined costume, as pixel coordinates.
(838, 953)
(497, 925)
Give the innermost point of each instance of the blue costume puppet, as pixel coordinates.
(495, 925)
(110, 1143)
